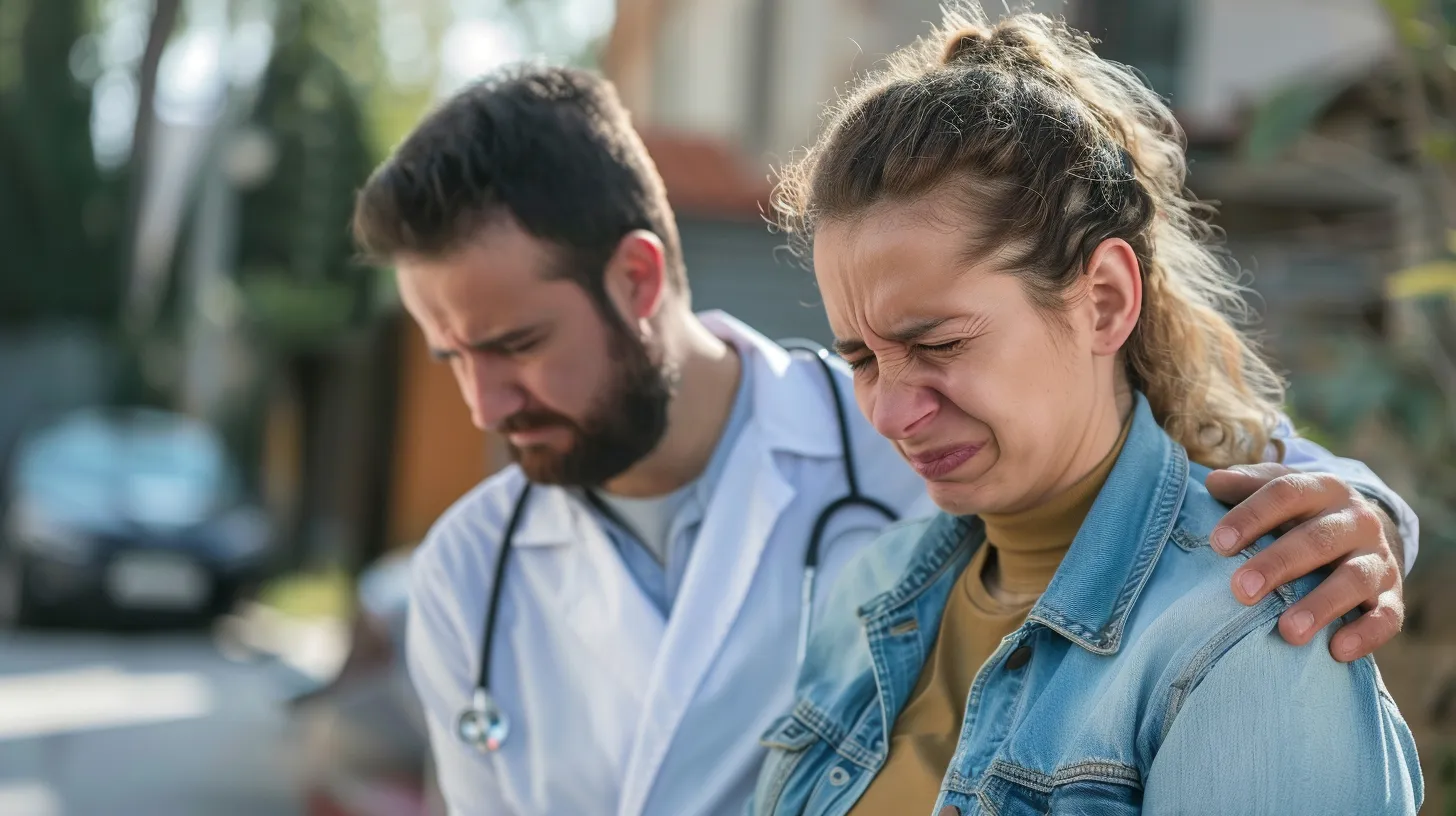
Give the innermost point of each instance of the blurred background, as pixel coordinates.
(220, 437)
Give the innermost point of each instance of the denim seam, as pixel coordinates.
(1109, 639)
(928, 569)
(968, 720)
(813, 720)
(1189, 542)
(957, 781)
(1170, 501)
(835, 736)
(1100, 770)
(771, 739)
(780, 781)
(852, 750)
(1376, 678)
(978, 687)
(1209, 654)
(878, 659)
(986, 803)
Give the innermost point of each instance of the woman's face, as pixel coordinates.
(996, 404)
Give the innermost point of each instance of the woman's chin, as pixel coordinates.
(957, 498)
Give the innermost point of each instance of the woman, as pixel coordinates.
(1014, 271)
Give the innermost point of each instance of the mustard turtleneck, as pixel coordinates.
(991, 599)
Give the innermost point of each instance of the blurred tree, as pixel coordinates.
(60, 215)
(159, 31)
(295, 256)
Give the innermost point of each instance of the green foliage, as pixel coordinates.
(1377, 402)
(289, 312)
(1285, 117)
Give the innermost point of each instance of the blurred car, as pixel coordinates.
(126, 516)
(366, 746)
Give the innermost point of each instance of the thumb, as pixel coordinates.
(1232, 485)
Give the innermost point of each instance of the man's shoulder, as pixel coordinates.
(466, 537)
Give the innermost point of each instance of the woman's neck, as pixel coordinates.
(1027, 546)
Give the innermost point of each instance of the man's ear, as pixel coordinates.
(1115, 293)
(636, 276)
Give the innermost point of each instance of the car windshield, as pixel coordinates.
(141, 466)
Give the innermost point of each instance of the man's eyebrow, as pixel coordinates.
(908, 333)
(500, 344)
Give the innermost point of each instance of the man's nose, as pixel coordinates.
(491, 391)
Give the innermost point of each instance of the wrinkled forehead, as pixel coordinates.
(892, 269)
(501, 277)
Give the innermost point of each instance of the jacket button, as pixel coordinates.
(1018, 658)
(949, 810)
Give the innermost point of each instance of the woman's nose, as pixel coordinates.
(900, 408)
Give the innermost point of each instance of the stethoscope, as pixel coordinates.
(483, 724)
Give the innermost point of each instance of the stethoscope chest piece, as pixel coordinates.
(483, 725)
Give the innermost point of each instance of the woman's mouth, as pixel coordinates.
(940, 462)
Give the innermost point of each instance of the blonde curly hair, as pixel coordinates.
(1053, 150)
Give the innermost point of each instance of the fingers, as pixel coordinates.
(1371, 631)
(1357, 582)
(1310, 546)
(1292, 497)
(1233, 485)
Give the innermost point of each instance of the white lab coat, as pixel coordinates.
(613, 709)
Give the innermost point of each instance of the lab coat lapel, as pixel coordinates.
(751, 495)
(602, 603)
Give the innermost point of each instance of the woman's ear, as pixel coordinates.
(636, 276)
(1115, 293)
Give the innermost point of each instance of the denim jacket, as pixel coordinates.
(1137, 680)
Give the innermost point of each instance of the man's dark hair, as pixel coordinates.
(551, 148)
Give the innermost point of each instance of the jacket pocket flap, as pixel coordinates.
(788, 733)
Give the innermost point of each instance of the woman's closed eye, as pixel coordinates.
(940, 349)
(946, 349)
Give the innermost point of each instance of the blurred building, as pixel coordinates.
(745, 79)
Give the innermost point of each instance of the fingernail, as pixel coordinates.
(1302, 620)
(1349, 645)
(1250, 581)
(1224, 539)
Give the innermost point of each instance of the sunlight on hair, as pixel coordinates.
(1051, 151)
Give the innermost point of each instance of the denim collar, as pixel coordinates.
(1098, 584)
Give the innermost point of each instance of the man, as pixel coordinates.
(644, 635)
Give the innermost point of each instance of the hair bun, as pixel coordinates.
(967, 41)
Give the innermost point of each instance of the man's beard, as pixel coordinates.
(625, 425)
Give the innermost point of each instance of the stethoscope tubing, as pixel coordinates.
(482, 707)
